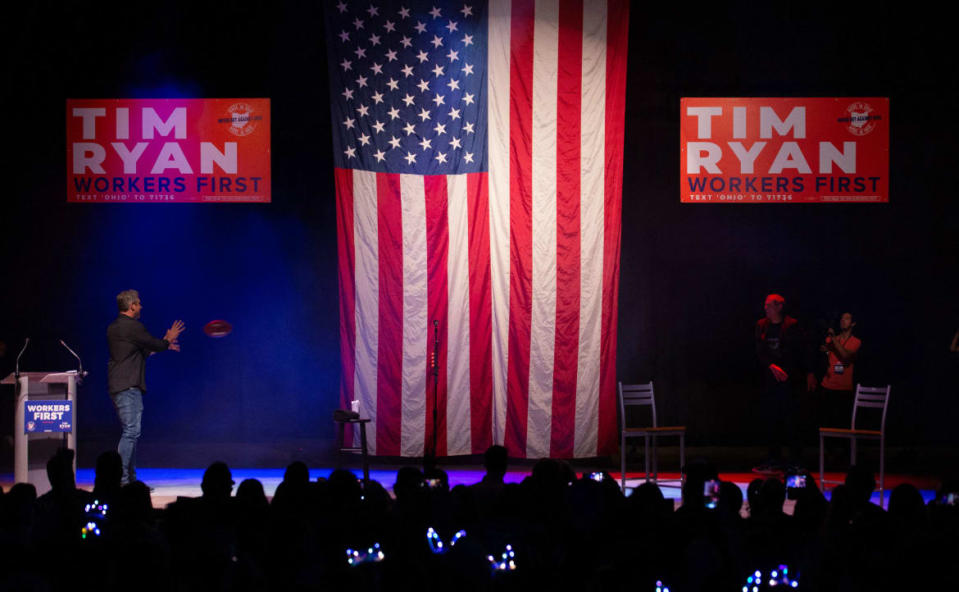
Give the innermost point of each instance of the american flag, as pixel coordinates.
(478, 164)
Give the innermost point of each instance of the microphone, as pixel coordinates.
(436, 323)
(80, 372)
(16, 371)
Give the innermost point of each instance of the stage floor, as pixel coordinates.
(169, 484)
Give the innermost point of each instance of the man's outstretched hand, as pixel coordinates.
(173, 332)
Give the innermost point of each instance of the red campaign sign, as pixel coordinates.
(168, 150)
(784, 150)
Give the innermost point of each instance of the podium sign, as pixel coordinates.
(47, 416)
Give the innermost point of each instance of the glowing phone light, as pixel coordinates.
(507, 564)
(371, 555)
(91, 529)
(436, 543)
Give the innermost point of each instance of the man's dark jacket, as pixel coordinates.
(793, 353)
(130, 344)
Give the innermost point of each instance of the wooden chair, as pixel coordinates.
(866, 397)
(641, 395)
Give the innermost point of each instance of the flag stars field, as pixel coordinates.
(419, 48)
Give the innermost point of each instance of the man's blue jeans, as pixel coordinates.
(129, 406)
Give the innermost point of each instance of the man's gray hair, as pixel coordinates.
(126, 298)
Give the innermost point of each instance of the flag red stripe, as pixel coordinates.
(437, 290)
(521, 224)
(481, 323)
(343, 179)
(616, 49)
(568, 149)
(390, 345)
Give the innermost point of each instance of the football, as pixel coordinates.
(217, 328)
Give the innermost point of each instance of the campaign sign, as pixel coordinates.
(47, 416)
(784, 150)
(168, 150)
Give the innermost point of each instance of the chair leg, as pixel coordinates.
(646, 454)
(852, 451)
(622, 462)
(822, 463)
(366, 460)
(682, 457)
(655, 459)
(882, 469)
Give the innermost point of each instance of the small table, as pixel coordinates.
(362, 449)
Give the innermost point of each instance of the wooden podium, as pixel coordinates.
(32, 449)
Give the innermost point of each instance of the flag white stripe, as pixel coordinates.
(543, 313)
(592, 220)
(498, 113)
(415, 312)
(458, 417)
(367, 282)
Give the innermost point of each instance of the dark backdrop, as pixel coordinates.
(693, 276)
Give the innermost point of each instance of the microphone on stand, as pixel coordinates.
(436, 347)
(80, 372)
(16, 369)
(429, 460)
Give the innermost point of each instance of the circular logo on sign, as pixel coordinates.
(31, 426)
(861, 121)
(242, 120)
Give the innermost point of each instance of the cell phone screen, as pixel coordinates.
(711, 493)
(796, 481)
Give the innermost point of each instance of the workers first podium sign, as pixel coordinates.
(784, 150)
(168, 150)
(47, 416)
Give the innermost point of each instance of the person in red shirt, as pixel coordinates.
(837, 383)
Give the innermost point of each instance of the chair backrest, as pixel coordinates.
(871, 397)
(633, 395)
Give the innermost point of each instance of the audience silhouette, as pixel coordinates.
(555, 530)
